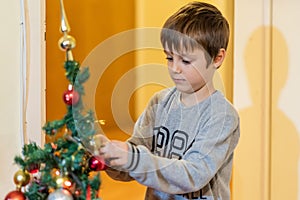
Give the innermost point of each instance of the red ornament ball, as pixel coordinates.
(33, 168)
(71, 97)
(15, 195)
(96, 164)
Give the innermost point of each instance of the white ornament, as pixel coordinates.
(60, 194)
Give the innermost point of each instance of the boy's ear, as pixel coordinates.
(218, 60)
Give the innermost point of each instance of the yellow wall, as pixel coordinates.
(98, 27)
(92, 22)
(151, 15)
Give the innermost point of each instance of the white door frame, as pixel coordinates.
(35, 71)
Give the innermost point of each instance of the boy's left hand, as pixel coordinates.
(115, 153)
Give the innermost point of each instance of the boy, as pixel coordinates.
(182, 145)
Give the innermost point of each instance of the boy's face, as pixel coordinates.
(189, 70)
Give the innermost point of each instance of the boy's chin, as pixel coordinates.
(186, 90)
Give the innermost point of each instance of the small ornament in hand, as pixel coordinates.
(96, 162)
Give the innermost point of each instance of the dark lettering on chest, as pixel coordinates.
(167, 144)
(194, 195)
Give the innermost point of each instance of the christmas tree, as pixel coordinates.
(66, 168)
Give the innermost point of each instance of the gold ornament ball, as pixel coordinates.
(21, 178)
(67, 42)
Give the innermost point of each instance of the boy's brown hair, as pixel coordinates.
(196, 25)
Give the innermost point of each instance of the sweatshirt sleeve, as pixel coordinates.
(142, 136)
(210, 150)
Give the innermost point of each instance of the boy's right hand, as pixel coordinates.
(115, 153)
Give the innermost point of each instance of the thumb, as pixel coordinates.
(101, 140)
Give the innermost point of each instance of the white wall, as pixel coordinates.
(285, 14)
(251, 167)
(22, 83)
(266, 80)
(286, 107)
(10, 87)
(36, 80)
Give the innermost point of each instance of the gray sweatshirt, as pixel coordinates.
(182, 152)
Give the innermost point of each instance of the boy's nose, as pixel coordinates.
(175, 67)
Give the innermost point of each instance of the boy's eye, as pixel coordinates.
(169, 58)
(186, 62)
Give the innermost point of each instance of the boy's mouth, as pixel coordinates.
(178, 80)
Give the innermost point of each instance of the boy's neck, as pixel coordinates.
(190, 99)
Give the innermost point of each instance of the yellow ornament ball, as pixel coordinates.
(21, 178)
(67, 42)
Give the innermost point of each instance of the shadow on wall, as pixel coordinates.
(285, 145)
(284, 139)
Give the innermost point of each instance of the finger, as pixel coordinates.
(115, 162)
(103, 149)
(115, 150)
(101, 140)
(106, 150)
